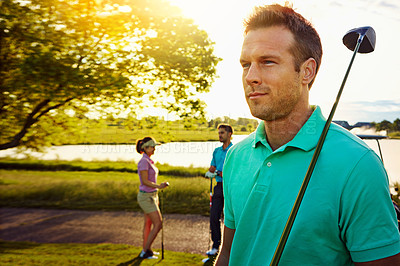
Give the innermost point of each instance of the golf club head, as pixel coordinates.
(368, 43)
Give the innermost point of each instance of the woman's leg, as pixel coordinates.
(146, 229)
(155, 218)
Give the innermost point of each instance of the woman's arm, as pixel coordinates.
(145, 180)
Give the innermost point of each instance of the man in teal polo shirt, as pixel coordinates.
(346, 217)
(225, 132)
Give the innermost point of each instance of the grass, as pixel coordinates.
(87, 190)
(94, 166)
(93, 186)
(394, 135)
(27, 253)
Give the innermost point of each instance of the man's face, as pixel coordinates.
(223, 135)
(272, 86)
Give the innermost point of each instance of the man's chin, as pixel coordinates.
(259, 114)
(265, 116)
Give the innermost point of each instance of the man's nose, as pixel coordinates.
(253, 75)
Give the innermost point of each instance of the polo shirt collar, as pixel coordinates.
(307, 137)
(230, 144)
(260, 136)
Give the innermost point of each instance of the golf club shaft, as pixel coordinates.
(211, 194)
(296, 206)
(162, 225)
(380, 151)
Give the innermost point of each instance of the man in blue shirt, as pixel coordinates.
(217, 163)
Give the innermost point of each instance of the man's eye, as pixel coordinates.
(268, 62)
(245, 65)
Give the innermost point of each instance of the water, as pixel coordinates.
(197, 154)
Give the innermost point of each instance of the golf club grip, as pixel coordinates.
(302, 191)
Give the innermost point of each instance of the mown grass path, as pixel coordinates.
(183, 233)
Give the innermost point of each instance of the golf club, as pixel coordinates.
(358, 40)
(162, 222)
(211, 195)
(209, 239)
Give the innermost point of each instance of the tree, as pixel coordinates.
(396, 125)
(61, 58)
(384, 125)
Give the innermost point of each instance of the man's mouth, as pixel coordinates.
(255, 95)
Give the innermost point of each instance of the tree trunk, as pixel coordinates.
(31, 119)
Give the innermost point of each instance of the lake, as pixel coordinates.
(197, 154)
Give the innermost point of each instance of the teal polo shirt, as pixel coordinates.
(346, 214)
(218, 160)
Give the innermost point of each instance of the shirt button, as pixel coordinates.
(269, 164)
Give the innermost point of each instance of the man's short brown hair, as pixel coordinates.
(307, 42)
(227, 127)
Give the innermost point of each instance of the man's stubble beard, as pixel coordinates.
(280, 107)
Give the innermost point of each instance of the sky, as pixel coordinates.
(372, 91)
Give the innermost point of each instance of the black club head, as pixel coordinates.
(368, 42)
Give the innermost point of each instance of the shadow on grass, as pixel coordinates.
(136, 261)
(5, 246)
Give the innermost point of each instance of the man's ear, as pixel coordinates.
(308, 70)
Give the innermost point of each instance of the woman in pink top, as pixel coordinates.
(147, 196)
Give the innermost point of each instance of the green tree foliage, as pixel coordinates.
(393, 129)
(396, 125)
(384, 125)
(240, 125)
(60, 59)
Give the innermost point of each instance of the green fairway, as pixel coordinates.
(97, 191)
(97, 186)
(27, 253)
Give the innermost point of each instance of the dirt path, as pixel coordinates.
(185, 233)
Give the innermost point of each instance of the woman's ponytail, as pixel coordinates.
(139, 144)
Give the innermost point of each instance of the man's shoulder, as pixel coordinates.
(341, 144)
(340, 135)
(244, 144)
(218, 149)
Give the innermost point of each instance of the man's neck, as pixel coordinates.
(226, 144)
(281, 131)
